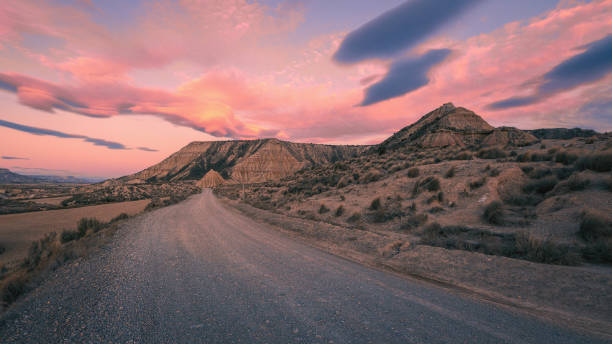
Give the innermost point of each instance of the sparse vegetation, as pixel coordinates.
(429, 183)
(450, 173)
(594, 226)
(491, 153)
(323, 209)
(494, 213)
(598, 162)
(376, 204)
(540, 186)
(413, 172)
(412, 221)
(339, 211)
(520, 245)
(354, 218)
(566, 157)
(477, 183)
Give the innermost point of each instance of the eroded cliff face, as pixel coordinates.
(455, 126)
(211, 179)
(243, 161)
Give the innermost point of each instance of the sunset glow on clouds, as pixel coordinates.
(152, 76)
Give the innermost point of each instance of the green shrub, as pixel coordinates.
(323, 209)
(69, 235)
(494, 213)
(563, 172)
(432, 232)
(372, 176)
(413, 172)
(598, 162)
(464, 156)
(450, 173)
(477, 183)
(86, 224)
(122, 216)
(494, 172)
(412, 221)
(565, 157)
(541, 186)
(538, 173)
(576, 183)
(544, 250)
(491, 153)
(354, 218)
(339, 211)
(14, 287)
(594, 226)
(430, 184)
(376, 204)
(598, 252)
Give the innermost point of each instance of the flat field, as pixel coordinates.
(17, 231)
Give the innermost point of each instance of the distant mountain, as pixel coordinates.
(455, 126)
(561, 133)
(8, 177)
(248, 161)
(253, 161)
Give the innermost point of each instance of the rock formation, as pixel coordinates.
(455, 126)
(211, 179)
(244, 161)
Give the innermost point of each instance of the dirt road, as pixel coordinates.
(197, 272)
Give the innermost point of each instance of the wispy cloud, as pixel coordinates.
(591, 65)
(398, 29)
(404, 76)
(13, 158)
(147, 149)
(49, 132)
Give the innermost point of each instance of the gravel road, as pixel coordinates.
(197, 272)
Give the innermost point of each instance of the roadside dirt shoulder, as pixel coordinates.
(574, 296)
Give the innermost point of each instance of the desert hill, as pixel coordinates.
(248, 161)
(211, 179)
(455, 126)
(561, 133)
(9, 177)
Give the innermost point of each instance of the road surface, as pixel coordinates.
(197, 272)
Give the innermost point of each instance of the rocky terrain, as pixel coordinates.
(450, 126)
(242, 161)
(116, 191)
(451, 180)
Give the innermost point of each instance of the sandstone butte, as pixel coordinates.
(255, 161)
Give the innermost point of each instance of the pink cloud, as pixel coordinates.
(306, 96)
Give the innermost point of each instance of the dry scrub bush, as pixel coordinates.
(598, 162)
(494, 213)
(413, 172)
(540, 186)
(412, 221)
(594, 226)
(354, 218)
(491, 153)
(323, 209)
(339, 211)
(429, 183)
(477, 183)
(450, 173)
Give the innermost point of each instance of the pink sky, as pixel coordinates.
(177, 72)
